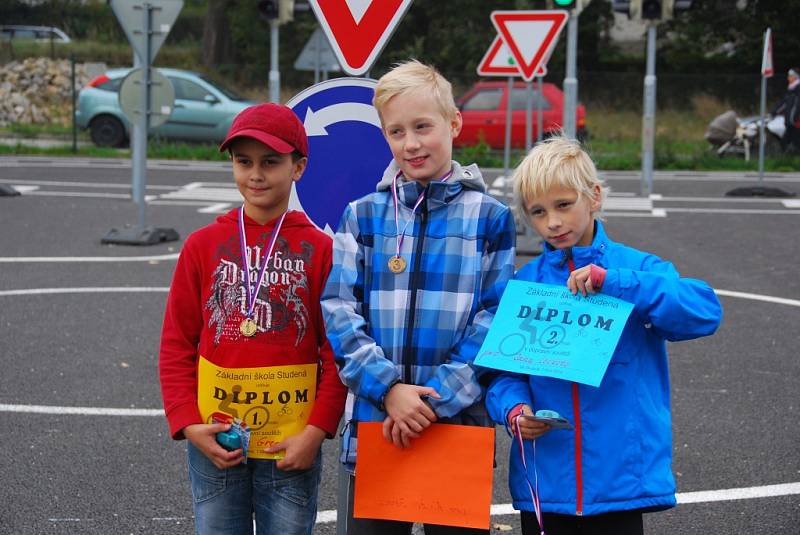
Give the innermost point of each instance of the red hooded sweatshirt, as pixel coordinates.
(207, 304)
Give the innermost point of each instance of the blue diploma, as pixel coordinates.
(541, 329)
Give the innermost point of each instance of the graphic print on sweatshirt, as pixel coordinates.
(279, 304)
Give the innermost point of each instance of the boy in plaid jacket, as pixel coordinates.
(415, 266)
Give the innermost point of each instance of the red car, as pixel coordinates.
(484, 106)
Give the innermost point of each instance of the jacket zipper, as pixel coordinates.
(576, 411)
(578, 467)
(408, 357)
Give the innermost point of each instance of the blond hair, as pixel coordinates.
(556, 161)
(411, 76)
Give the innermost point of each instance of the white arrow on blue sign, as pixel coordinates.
(347, 152)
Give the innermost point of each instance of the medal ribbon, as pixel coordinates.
(400, 236)
(533, 488)
(251, 293)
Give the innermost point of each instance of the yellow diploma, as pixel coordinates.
(275, 401)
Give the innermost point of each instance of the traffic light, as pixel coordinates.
(651, 9)
(569, 5)
(280, 10)
(268, 9)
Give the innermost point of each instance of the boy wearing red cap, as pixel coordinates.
(243, 343)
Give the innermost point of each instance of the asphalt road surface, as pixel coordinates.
(85, 447)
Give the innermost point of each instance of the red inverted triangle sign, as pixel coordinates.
(358, 29)
(498, 61)
(530, 36)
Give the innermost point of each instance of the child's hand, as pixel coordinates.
(300, 449)
(204, 438)
(409, 412)
(586, 280)
(393, 434)
(529, 429)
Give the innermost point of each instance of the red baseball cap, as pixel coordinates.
(274, 125)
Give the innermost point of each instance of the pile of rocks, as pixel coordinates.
(37, 91)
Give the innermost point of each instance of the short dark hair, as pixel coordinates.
(296, 154)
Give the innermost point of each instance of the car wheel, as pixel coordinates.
(107, 131)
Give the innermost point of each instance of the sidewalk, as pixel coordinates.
(44, 143)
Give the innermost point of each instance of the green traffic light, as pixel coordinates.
(564, 3)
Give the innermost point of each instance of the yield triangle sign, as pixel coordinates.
(498, 61)
(132, 17)
(358, 29)
(529, 35)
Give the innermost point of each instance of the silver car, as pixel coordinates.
(203, 110)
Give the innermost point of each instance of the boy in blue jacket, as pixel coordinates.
(416, 265)
(616, 464)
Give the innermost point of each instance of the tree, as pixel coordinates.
(217, 33)
(726, 36)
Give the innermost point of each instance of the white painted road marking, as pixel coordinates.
(115, 289)
(81, 411)
(329, 516)
(506, 509)
(62, 259)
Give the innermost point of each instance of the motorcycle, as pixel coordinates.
(731, 134)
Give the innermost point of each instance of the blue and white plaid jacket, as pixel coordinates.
(423, 326)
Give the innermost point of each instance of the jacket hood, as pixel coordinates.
(294, 218)
(581, 256)
(439, 193)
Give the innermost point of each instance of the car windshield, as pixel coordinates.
(228, 92)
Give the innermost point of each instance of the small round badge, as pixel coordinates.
(397, 264)
(248, 327)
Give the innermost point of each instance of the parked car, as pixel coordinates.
(484, 106)
(203, 110)
(37, 33)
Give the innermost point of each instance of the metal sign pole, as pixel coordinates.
(142, 89)
(138, 147)
(539, 118)
(74, 99)
(571, 80)
(317, 56)
(507, 149)
(274, 72)
(140, 170)
(762, 135)
(528, 116)
(649, 116)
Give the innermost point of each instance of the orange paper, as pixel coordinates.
(445, 477)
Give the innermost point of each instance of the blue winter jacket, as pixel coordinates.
(619, 456)
(422, 326)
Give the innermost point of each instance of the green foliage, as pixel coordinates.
(94, 20)
(727, 36)
(480, 153)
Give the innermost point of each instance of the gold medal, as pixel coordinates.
(248, 327)
(397, 264)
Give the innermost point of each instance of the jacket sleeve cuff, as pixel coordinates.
(382, 399)
(182, 416)
(436, 403)
(324, 420)
(512, 413)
